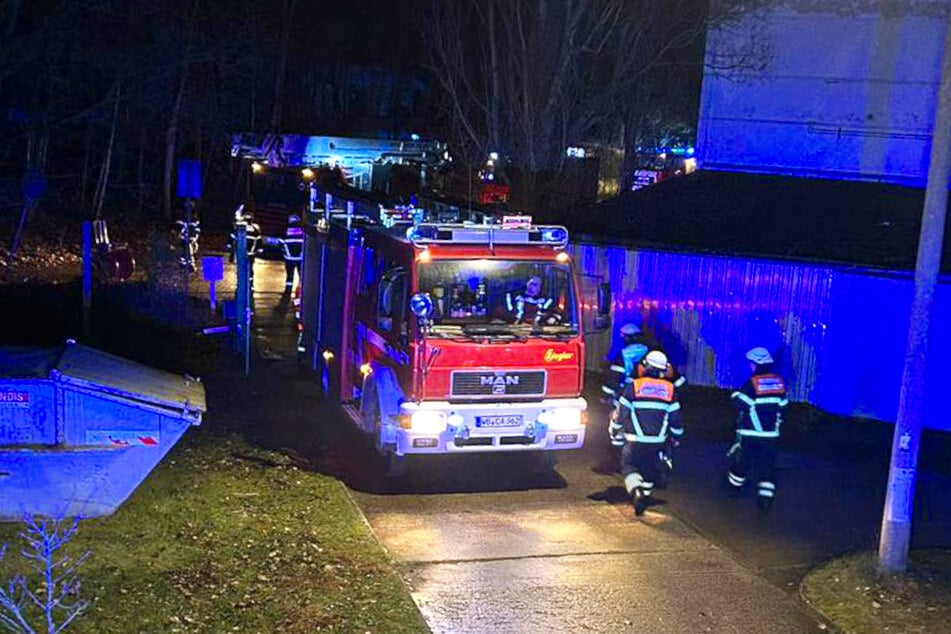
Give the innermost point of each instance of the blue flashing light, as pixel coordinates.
(414, 137)
(555, 235)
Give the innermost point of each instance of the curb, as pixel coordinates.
(389, 558)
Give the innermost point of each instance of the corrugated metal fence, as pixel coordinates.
(838, 333)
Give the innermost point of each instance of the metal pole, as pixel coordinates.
(899, 499)
(242, 290)
(87, 277)
(319, 335)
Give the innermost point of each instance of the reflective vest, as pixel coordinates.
(528, 307)
(624, 368)
(293, 244)
(252, 237)
(654, 411)
(762, 402)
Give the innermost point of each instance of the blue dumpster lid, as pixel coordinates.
(21, 362)
(88, 367)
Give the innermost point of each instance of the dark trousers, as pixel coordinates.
(641, 467)
(290, 266)
(754, 459)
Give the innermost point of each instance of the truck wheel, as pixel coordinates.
(323, 378)
(545, 462)
(394, 466)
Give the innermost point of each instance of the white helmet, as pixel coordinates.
(759, 356)
(656, 359)
(630, 330)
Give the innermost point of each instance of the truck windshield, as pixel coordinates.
(500, 297)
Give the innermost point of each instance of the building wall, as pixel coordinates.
(847, 91)
(838, 333)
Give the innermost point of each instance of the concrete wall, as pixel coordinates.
(847, 91)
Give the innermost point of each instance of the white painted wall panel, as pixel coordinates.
(848, 92)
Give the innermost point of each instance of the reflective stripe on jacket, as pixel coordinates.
(762, 403)
(654, 410)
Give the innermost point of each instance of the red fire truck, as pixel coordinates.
(447, 337)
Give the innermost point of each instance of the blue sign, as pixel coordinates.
(213, 268)
(189, 178)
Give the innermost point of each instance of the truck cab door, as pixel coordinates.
(391, 318)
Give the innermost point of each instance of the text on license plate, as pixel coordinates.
(498, 421)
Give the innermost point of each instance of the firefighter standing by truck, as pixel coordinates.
(624, 366)
(293, 247)
(252, 238)
(648, 412)
(762, 404)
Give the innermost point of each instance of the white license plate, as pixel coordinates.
(498, 421)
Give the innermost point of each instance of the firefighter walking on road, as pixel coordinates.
(293, 250)
(762, 405)
(648, 412)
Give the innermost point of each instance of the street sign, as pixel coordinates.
(213, 268)
(189, 178)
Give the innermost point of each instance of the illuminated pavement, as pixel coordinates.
(552, 559)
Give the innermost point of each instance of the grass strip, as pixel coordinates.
(227, 537)
(855, 598)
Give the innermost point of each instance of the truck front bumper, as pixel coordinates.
(433, 427)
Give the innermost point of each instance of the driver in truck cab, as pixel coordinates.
(530, 306)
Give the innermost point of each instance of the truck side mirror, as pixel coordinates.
(604, 306)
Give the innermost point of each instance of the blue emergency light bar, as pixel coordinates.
(550, 235)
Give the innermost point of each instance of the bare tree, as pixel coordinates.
(529, 77)
(290, 7)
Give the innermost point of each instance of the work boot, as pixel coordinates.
(764, 503)
(641, 502)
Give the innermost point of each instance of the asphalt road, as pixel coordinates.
(500, 543)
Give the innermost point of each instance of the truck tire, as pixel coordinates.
(394, 466)
(545, 462)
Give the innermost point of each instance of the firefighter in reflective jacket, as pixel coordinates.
(647, 412)
(624, 366)
(762, 405)
(252, 236)
(667, 454)
(293, 250)
(529, 306)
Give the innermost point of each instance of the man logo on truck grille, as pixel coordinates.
(498, 382)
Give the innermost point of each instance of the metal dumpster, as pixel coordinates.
(81, 429)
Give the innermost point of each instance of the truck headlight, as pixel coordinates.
(561, 418)
(428, 422)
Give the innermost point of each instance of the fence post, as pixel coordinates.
(87, 277)
(242, 315)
